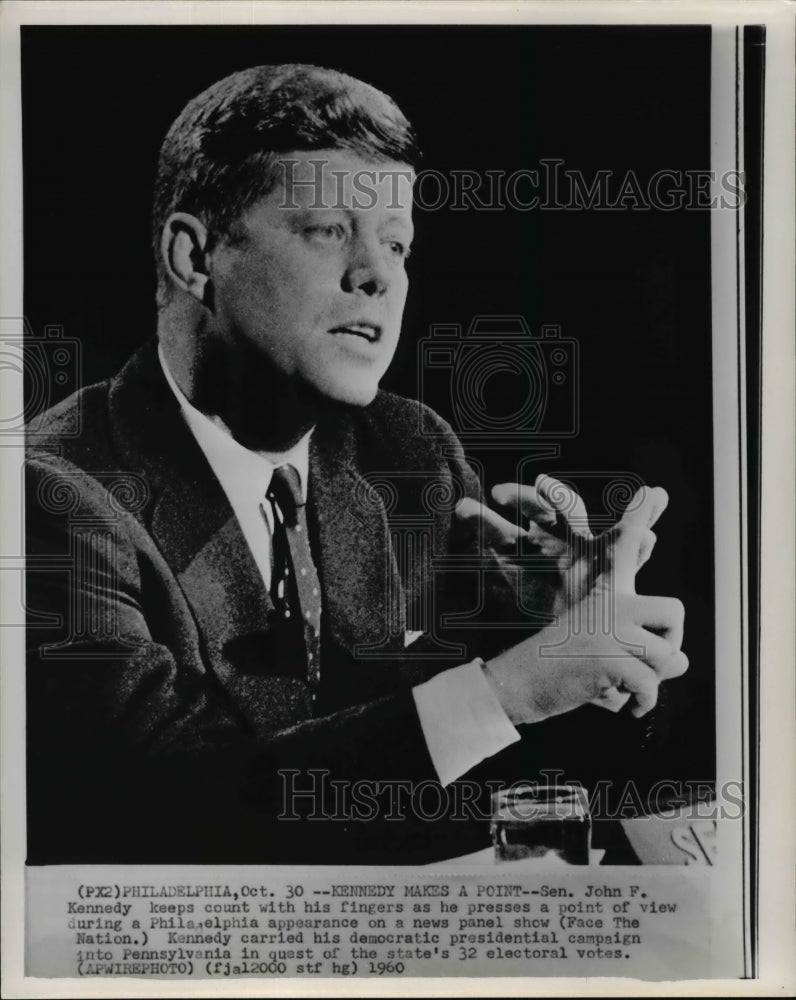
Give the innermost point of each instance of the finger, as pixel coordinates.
(661, 656)
(566, 502)
(663, 615)
(628, 541)
(495, 530)
(525, 502)
(660, 503)
(646, 506)
(544, 527)
(637, 678)
(612, 698)
(623, 548)
(647, 544)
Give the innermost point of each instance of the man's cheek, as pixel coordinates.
(399, 297)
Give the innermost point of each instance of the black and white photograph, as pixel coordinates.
(388, 432)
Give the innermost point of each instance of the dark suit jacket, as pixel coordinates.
(166, 719)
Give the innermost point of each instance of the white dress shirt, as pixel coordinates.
(462, 720)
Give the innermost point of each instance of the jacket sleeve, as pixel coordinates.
(615, 753)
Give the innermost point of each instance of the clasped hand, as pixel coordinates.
(605, 643)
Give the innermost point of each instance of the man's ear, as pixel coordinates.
(182, 248)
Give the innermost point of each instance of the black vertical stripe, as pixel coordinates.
(753, 119)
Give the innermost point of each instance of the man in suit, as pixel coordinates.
(237, 626)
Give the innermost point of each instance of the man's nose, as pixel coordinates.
(367, 271)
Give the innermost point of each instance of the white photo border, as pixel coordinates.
(773, 836)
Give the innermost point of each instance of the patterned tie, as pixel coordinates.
(295, 588)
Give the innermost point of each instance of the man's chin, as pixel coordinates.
(356, 393)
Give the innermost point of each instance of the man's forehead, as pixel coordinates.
(343, 179)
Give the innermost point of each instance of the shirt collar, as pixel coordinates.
(239, 470)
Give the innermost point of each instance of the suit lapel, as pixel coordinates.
(197, 533)
(199, 536)
(233, 612)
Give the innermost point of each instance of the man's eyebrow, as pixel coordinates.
(305, 211)
(401, 219)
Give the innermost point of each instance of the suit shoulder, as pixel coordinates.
(407, 419)
(399, 433)
(77, 428)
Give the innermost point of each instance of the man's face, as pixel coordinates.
(314, 275)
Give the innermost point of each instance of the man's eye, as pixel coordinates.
(398, 249)
(331, 233)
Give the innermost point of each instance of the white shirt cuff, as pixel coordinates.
(462, 720)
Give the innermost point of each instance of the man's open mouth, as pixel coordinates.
(368, 331)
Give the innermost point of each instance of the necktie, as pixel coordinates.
(295, 586)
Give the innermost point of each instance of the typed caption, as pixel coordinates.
(206, 923)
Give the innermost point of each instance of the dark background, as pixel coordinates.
(632, 288)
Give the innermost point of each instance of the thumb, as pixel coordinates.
(629, 539)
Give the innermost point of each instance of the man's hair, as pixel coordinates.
(219, 157)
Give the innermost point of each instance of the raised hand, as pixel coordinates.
(566, 558)
(610, 645)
